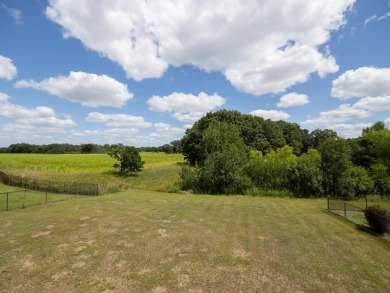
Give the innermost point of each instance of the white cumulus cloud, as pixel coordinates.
(34, 120)
(349, 130)
(260, 46)
(85, 88)
(270, 114)
(362, 82)
(118, 120)
(7, 69)
(167, 131)
(336, 119)
(292, 100)
(344, 112)
(186, 108)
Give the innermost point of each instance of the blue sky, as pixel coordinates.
(141, 72)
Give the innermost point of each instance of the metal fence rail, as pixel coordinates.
(351, 212)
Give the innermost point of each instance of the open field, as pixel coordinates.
(78, 163)
(142, 241)
(160, 172)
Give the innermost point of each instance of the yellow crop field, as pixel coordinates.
(79, 163)
(160, 171)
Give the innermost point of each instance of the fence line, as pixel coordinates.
(23, 198)
(349, 211)
(50, 186)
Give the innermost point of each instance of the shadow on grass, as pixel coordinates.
(368, 230)
(121, 175)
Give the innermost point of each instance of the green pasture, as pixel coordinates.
(160, 173)
(144, 241)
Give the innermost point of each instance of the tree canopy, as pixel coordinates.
(128, 157)
(234, 152)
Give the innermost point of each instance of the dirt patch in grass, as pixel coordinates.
(28, 264)
(159, 289)
(240, 253)
(60, 275)
(41, 233)
(163, 232)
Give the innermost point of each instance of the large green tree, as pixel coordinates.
(356, 182)
(222, 157)
(336, 160)
(381, 177)
(128, 156)
(293, 135)
(320, 135)
(372, 147)
(273, 170)
(307, 177)
(257, 133)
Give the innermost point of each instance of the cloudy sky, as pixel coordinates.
(141, 72)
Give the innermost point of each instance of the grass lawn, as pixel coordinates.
(144, 241)
(20, 198)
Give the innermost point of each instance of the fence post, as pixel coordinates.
(345, 209)
(7, 202)
(366, 203)
(46, 196)
(328, 202)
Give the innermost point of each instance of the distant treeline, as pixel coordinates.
(89, 148)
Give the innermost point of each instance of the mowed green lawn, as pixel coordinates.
(144, 241)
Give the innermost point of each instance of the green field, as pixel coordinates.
(160, 173)
(143, 241)
(78, 163)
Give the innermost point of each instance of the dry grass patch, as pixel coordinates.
(140, 241)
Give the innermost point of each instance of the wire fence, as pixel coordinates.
(351, 212)
(50, 186)
(20, 199)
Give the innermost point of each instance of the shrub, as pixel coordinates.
(378, 219)
(189, 178)
(255, 191)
